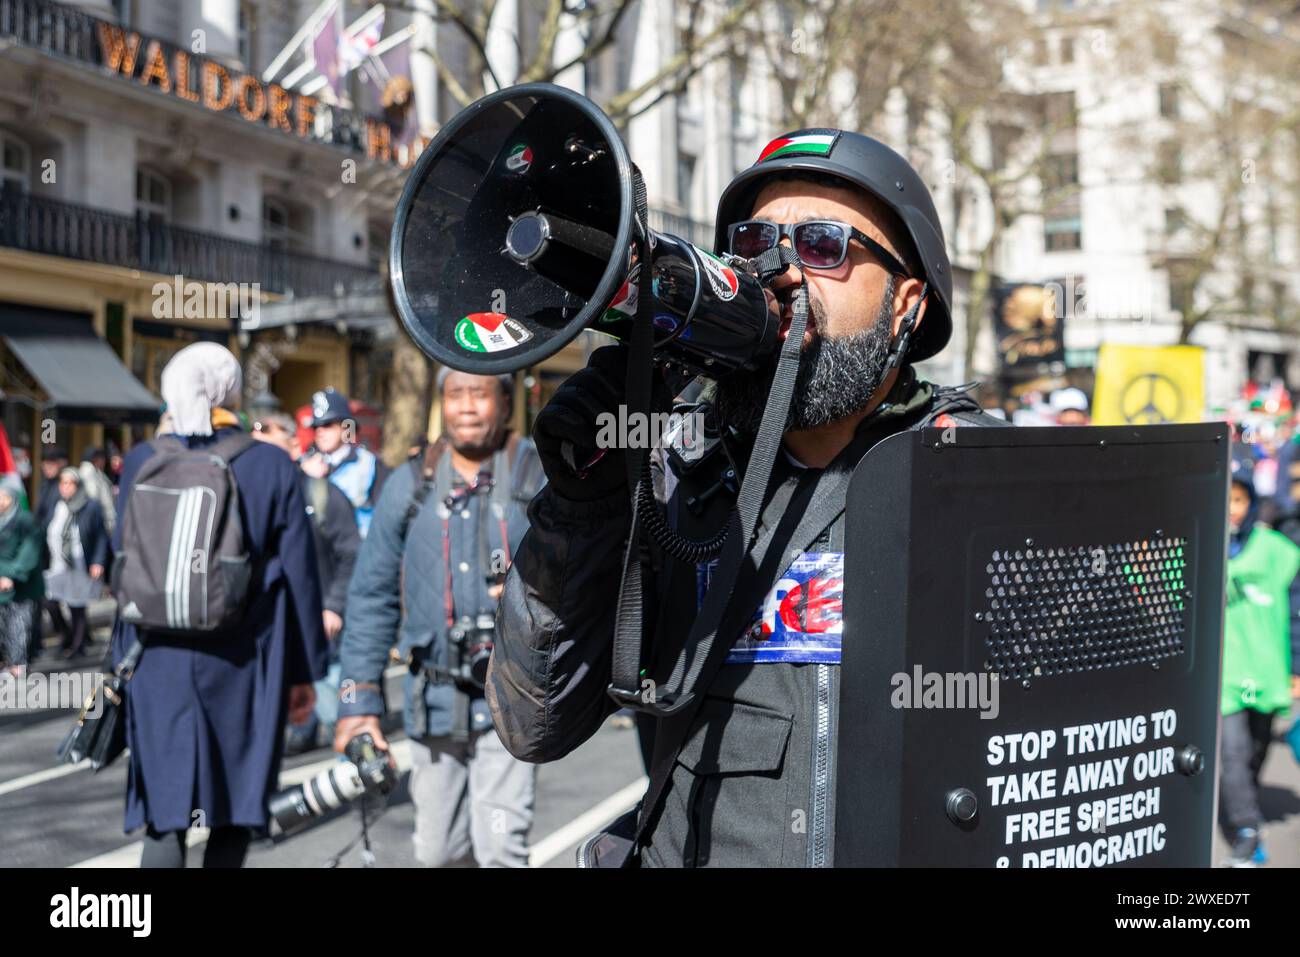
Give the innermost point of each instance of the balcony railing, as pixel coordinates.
(73, 231)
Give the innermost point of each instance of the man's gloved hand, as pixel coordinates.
(567, 431)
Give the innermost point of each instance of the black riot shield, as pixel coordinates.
(1031, 654)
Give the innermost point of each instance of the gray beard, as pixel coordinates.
(837, 376)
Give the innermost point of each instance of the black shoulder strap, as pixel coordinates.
(425, 467)
(232, 446)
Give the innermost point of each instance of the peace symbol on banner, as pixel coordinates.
(1150, 399)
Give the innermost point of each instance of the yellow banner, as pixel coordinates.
(1149, 385)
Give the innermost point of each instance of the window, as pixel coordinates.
(275, 225)
(1169, 100)
(246, 29)
(1180, 289)
(685, 180)
(1061, 171)
(1063, 233)
(1058, 110)
(1247, 293)
(15, 164)
(1067, 49)
(1040, 51)
(153, 195)
(1169, 163)
(378, 232)
(1175, 220)
(1166, 48)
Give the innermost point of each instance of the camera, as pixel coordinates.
(365, 771)
(470, 648)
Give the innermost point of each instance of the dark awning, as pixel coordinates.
(83, 377)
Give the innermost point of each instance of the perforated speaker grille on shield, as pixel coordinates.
(1058, 610)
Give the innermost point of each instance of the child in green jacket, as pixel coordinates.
(1256, 661)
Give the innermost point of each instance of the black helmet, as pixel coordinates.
(873, 166)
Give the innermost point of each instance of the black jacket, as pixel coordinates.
(748, 787)
(46, 499)
(337, 540)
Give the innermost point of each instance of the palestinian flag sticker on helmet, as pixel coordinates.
(519, 158)
(806, 143)
(489, 332)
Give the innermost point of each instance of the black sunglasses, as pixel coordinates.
(820, 243)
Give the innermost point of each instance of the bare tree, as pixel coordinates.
(704, 39)
(1224, 163)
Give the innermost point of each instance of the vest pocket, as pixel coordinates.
(730, 770)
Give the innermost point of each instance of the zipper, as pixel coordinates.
(821, 768)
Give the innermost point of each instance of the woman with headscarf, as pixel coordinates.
(21, 582)
(77, 543)
(205, 713)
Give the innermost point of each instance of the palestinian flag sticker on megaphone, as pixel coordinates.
(519, 158)
(490, 332)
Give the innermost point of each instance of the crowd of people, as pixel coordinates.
(266, 583)
(54, 557)
(332, 539)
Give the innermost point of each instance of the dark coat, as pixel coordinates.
(95, 543)
(205, 714)
(337, 543)
(46, 499)
(21, 558)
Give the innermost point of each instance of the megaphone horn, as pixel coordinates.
(516, 230)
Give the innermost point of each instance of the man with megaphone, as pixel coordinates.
(743, 767)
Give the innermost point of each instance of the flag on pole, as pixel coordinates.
(357, 48)
(325, 50)
(390, 93)
(1149, 385)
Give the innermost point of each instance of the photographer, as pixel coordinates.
(743, 775)
(427, 580)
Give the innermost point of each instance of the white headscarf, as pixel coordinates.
(199, 378)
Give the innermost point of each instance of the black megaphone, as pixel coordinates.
(517, 229)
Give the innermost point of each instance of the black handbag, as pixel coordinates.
(100, 732)
(614, 847)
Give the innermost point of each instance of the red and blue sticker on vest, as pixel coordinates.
(801, 621)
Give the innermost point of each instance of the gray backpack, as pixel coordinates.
(183, 567)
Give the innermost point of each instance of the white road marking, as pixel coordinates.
(62, 770)
(40, 777)
(540, 854)
(586, 823)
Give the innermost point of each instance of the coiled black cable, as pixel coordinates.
(683, 549)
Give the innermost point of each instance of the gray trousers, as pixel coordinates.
(473, 802)
(1246, 737)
